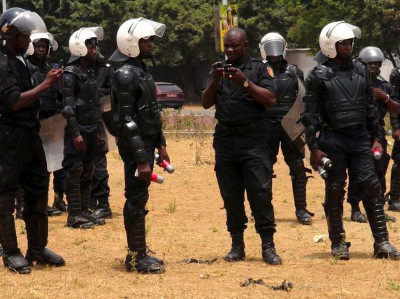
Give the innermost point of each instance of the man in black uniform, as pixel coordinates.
(241, 88)
(83, 113)
(100, 192)
(22, 159)
(337, 105)
(286, 77)
(139, 131)
(373, 58)
(50, 101)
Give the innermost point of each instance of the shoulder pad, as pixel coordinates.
(395, 77)
(126, 77)
(323, 72)
(360, 67)
(68, 79)
(75, 70)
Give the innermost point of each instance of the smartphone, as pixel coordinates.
(61, 63)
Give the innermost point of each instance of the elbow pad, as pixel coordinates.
(131, 132)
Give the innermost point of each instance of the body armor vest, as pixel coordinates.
(146, 105)
(345, 104)
(49, 100)
(287, 87)
(88, 109)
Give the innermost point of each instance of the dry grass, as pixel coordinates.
(186, 220)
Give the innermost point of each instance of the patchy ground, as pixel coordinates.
(186, 220)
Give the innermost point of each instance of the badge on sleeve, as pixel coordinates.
(270, 71)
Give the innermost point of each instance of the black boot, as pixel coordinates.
(12, 256)
(86, 187)
(356, 215)
(377, 221)
(334, 215)
(53, 211)
(44, 257)
(268, 251)
(299, 193)
(237, 252)
(59, 203)
(103, 209)
(72, 191)
(137, 258)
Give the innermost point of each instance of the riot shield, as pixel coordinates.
(52, 134)
(291, 121)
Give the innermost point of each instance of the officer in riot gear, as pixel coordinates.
(83, 113)
(338, 107)
(373, 58)
(98, 203)
(240, 93)
(50, 102)
(22, 159)
(286, 77)
(135, 120)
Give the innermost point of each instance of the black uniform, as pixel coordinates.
(22, 159)
(81, 94)
(286, 79)
(100, 190)
(337, 106)
(50, 104)
(381, 165)
(241, 152)
(139, 131)
(394, 193)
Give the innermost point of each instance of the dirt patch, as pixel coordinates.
(187, 220)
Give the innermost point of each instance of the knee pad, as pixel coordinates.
(133, 213)
(75, 172)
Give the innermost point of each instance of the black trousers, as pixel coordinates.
(242, 165)
(395, 173)
(354, 195)
(136, 191)
(100, 190)
(59, 181)
(352, 151)
(23, 162)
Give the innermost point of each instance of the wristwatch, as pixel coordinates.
(246, 83)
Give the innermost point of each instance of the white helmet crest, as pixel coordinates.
(335, 32)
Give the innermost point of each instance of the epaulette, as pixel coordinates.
(3, 59)
(256, 59)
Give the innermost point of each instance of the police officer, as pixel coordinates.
(373, 58)
(337, 106)
(241, 88)
(286, 77)
(51, 101)
(139, 131)
(83, 113)
(22, 159)
(100, 192)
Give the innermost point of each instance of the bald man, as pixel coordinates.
(240, 88)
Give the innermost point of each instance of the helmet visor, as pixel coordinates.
(99, 31)
(29, 22)
(144, 28)
(274, 48)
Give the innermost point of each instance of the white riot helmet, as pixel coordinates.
(77, 41)
(35, 37)
(371, 54)
(130, 32)
(272, 44)
(335, 32)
